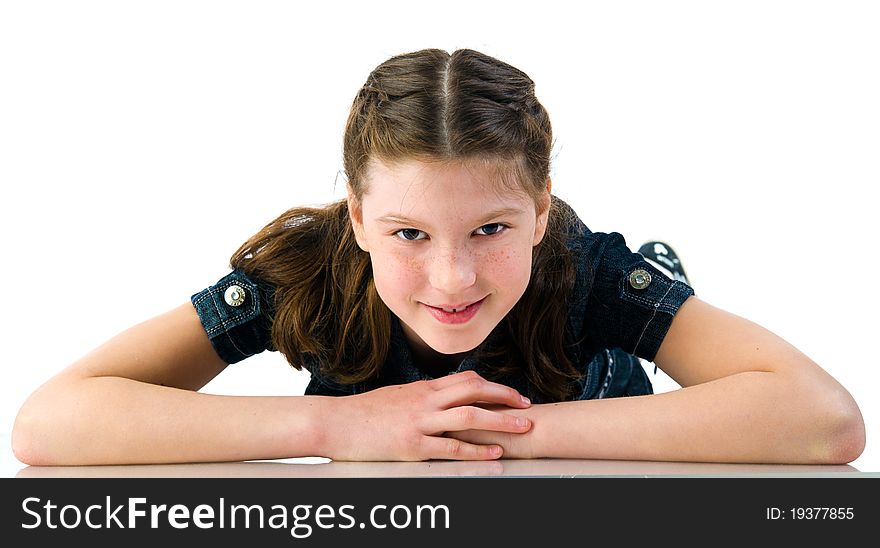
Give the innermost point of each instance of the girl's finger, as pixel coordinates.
(469, 417)
(474, 389)
(448, 380)
(453, 449)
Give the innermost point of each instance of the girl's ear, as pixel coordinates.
(357, 221)
(543, 212)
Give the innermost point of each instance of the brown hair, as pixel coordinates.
(431, 106)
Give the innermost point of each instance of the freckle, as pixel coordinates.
(500, 257)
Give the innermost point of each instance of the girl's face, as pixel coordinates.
(440, 236)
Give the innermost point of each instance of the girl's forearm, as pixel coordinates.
(112, 420)
(747, 417)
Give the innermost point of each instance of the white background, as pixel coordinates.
(142, 142)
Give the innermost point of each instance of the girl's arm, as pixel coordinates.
(134, 400)
(747, 396)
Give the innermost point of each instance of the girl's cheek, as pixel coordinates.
(500, 257)
(509, 266)
(413, 265)
(402, 268)
(507, 259)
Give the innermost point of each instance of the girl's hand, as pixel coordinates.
(408, 421)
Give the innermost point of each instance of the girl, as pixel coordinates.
(450, 308)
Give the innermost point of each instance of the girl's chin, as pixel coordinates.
(458, 341)
(453, 347)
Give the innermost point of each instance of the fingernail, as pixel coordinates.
(525, 400)
(521, 421)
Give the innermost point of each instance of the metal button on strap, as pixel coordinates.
(234, 295)
(640, 279)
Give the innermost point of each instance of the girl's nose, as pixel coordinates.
(452, 272)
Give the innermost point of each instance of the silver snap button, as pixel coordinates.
(640, 279)
(234, 295)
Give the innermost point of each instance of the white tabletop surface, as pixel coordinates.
(317, 467)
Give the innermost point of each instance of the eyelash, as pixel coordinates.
(503, 228)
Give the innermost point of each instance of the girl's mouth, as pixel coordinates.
(455, 315)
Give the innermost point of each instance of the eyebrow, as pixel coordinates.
(393, 218)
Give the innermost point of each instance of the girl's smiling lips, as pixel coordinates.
(462, 313)
(456, 307)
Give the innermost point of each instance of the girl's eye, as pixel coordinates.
(492, 229)
(410, 234)
(413, 235)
